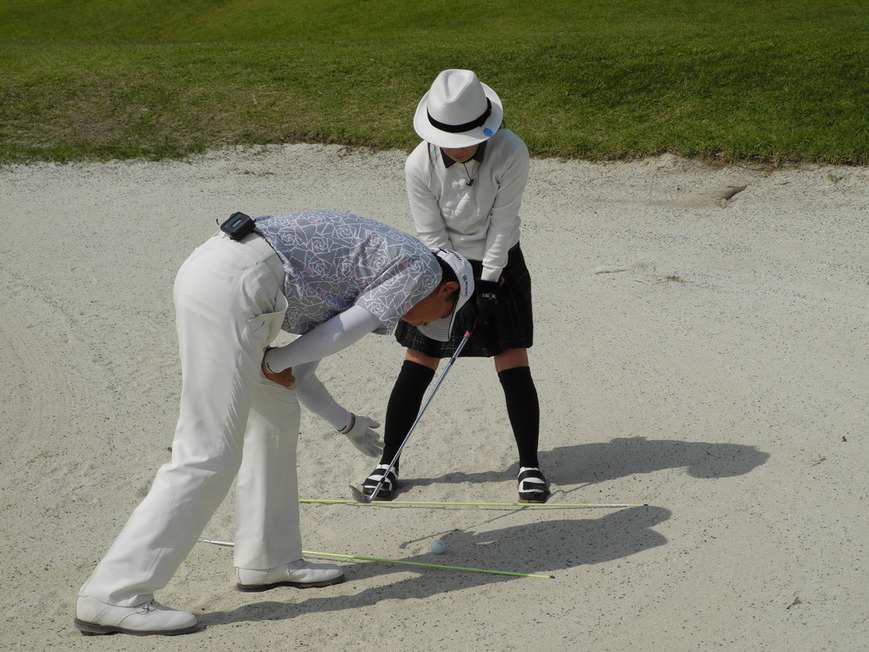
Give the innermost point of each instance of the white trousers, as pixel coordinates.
(229, 306)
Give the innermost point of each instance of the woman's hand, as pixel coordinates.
(486, 293)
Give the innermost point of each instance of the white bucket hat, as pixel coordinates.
(440, 329)
(458, 111)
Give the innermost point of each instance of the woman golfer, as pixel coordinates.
(465, 183)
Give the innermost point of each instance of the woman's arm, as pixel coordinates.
(512, 177)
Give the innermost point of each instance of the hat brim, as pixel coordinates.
(440, 329)
(435, 136)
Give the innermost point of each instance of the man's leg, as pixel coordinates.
(268, 543)
(267, 494)
(225, 298)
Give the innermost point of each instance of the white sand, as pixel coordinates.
(705, 356)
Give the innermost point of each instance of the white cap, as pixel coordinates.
(440, 329)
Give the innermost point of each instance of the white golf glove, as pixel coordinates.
(362, 435)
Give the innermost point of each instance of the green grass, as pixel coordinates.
(756, 80)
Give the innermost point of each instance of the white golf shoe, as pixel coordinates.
(300, 574)
(95, 617)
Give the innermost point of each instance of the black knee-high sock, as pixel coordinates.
(403, 406)
(523, 409)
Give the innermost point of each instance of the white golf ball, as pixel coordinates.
(438, 547)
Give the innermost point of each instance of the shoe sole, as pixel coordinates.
(382, 494)
(92, 629)
(258, 588)
(530, 500)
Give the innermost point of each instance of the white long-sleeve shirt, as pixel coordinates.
(479, 220)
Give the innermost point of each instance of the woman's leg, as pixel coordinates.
(523, 409)
(415, 376)
(405, 400)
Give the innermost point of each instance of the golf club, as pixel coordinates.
(358, 495)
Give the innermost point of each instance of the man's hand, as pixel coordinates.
(362, 435)
(284, 378)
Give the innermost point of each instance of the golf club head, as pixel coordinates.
(358, 496)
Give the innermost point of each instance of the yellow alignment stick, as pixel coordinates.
(385, 503)
(229, 544)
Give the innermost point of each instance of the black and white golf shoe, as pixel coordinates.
(387, 489)
(533, 487)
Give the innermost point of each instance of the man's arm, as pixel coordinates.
(329, 337)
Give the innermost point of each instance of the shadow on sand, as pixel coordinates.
(588, 464)
(557, 544)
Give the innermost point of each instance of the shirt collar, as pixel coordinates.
(478, 156)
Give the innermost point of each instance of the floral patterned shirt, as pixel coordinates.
(335, 260)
